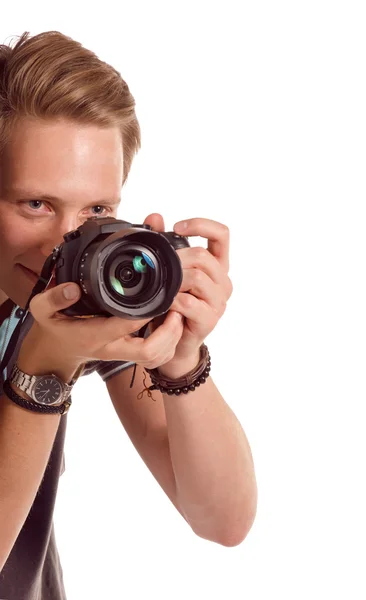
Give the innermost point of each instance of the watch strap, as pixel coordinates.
(42, 408)
(33, 406)
(26, 383)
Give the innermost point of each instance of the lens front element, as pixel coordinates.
(131, 273)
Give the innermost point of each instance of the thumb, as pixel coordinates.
(156, 221)
(46, 304)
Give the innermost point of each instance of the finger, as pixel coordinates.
(201, 259)
(156, 221)
(217, 234)
(165, 337)
(46, 304)
(160, 346)
(200, 317)
(167, 347)
(116, 327)
(199, 284)
(152, 350)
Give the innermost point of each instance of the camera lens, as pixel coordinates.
(126, 274)
(124, 270)
(130, 274)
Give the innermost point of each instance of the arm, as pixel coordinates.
(194, 444)
(198, 452)
(26, 440)
(55, 344)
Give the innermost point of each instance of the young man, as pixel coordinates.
(68, 133)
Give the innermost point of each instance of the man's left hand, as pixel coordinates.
(205, 290)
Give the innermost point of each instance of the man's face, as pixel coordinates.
(80, 166)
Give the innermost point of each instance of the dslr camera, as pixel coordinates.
(123, 270)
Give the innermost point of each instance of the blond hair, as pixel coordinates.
(51, 76)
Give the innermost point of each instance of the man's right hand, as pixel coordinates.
(61, 343)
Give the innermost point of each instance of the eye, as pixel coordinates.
(35, 205)
(101, 207)
(35, 201)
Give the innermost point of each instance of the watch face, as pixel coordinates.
(48, 391)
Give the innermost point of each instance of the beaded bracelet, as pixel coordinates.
(187, 383)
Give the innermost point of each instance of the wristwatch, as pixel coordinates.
(45, 390)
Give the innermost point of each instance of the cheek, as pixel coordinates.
(16, 236)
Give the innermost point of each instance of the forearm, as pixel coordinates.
(212, 463)
(26, 440)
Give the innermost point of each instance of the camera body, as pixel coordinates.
(123, 269)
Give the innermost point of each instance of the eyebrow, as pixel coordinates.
(39, 196)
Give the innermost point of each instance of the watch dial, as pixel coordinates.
(48, 391)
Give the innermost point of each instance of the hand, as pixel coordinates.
(204, 292)
(56, 341)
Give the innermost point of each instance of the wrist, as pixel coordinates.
(35, 365)
(176, 368)
(19, 392)
(184, 384)
(38, 356)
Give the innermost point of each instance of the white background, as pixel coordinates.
(252, 114)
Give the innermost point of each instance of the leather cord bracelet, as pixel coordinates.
(33, 406)
(61, 409)
(187, 383)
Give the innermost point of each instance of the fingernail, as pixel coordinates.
(70, 292)
(181, 225)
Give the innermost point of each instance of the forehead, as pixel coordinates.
(62, 155)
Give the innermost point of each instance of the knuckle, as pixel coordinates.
(222, 308)
(147, 355)
(214, 322)
(200, 253)
(197, 276)
(153, 364)
(144, 355)
(225, 231)
(187, 300)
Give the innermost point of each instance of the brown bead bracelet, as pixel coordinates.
(187, 383)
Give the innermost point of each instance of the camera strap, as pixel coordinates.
(25, 319)
(141, 333)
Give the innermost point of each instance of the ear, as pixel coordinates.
(156, 221)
